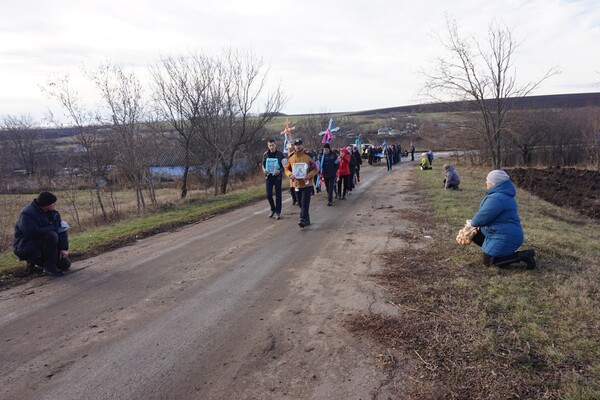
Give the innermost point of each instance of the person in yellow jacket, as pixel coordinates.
(301, 169)
(425, 164)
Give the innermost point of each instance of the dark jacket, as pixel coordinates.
(279, 156)
(498, 219)
(32, 223)
(352, 164)
(357, 158)
(330, 165)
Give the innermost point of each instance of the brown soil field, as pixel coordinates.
(577, 189)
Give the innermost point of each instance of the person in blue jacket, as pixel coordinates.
(41, 236)
(500, 233)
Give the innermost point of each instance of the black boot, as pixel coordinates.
(53, 272)
(528, 257)
(503, 262)
(64, 264)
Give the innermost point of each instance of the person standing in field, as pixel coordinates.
(412, 152)
(301, 169)
(272, 166)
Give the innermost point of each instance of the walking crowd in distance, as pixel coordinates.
(41, 235)
(496, 227)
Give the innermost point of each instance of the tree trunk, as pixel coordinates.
(184, 179)
(101, 204)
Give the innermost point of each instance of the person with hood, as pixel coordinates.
(343, 173)
(41, 236)
(452, 180)
(425, 162)
(329, 170)
(500, 233)
(303, 184)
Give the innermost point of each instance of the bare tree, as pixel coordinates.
(180, 86)
(231, 116)
(591, 120)
(94, 154)
(309, 126)
(123, 95)
(484, 75)
(21, 137)
(527, 130)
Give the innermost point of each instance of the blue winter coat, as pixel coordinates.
(498, 220)
(32, 223)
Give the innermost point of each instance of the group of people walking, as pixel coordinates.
(338, 170)
(41, 236)
(497, 225)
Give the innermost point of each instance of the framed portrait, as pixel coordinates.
(300, 170)
(271, 165)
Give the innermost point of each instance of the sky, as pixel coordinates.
(327, 55)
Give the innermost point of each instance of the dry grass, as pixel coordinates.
(89, 242)
(475, 332)
(80, 207)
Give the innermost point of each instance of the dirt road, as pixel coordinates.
(237, 307)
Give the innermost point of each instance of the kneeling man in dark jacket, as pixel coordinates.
(41, 236)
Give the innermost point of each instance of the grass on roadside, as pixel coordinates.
(172, 215)
(479, 332)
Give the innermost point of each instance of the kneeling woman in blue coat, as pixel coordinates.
(500, 233)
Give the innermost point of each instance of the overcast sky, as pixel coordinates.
(340, 55)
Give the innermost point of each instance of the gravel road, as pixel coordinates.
(237, 307)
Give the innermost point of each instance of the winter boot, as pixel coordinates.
(503, 262)
(64, 264)
(53, 272)
(528, 257)
(31, 267)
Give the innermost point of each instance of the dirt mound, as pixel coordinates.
(578, 189)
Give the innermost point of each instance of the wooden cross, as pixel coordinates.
(287, 130)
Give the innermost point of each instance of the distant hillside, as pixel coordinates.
(531, 102)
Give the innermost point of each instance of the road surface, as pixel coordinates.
(237, 307)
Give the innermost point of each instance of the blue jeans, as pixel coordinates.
(274, 182)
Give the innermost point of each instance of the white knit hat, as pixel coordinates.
(497, 176)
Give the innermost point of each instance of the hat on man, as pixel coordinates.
(327, 146)
(45, 199)
(298, 141)
(497, 176)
